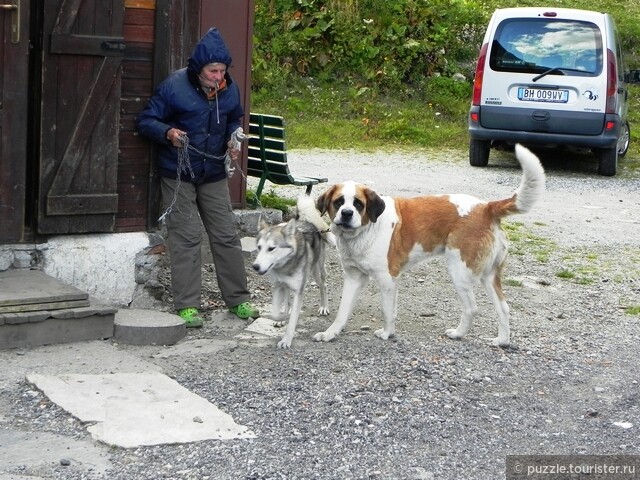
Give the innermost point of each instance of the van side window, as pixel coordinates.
(535, 45)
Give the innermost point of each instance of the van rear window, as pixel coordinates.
(537, 45)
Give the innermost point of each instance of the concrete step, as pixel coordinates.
(36, 309)
(48, 327)
(148, 327)
(33, 290)
(125, 326)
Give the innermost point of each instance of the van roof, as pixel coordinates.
(573, 13)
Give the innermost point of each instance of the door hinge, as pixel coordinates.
(113, 46)
(15, 19)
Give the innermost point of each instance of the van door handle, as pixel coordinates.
(15, 20)
(540, 116)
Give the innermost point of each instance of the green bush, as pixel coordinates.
(271, 199)
(388, 44)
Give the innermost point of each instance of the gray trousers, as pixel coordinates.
(210, 204)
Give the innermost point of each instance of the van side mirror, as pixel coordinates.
(633, 76)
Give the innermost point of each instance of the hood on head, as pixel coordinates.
(210, 49)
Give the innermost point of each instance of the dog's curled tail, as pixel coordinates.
(532, 185)
(528, 192)
(307, 211)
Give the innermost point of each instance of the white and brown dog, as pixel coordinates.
(380, 237)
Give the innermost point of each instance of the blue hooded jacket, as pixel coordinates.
(180, 102)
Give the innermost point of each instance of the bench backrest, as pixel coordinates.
(267, 149)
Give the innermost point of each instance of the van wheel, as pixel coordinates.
(478, 153)
(608, 158)
(623, 140)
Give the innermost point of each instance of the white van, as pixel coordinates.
(551, 76)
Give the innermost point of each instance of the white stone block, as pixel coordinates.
(103, 265)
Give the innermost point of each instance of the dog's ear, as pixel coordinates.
(323, 201)
(262, 223)
(375, 205)
(290, 227)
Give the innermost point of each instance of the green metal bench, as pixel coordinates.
(268, 155)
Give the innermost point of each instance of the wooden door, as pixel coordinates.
(14, 87)
(234, 19)
(82, 53)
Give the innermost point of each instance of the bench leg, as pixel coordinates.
(308, 191)
(256, 201)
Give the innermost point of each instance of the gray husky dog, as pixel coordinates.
(290, 252)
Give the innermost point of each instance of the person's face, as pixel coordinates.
(212, 74)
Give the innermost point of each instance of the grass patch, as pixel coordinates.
(583, 268)
(271, 200)
(635, 310)
(525, 242)
(512, 282)
(337, 118)
(586, 267)
(566, 274)
(585, 281)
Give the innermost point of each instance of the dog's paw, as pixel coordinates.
(279, 324)
(285, 342)
(384, 335)
(453, 334)
(323, 311)
(325, 336)
(500, 342)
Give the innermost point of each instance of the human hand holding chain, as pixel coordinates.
(175, 135)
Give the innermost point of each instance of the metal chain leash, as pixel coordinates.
(184, 163)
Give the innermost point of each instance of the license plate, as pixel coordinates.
(542, 95)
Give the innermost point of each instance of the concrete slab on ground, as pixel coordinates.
(264, 327)
(135, 409)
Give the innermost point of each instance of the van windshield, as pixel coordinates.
(555, 46)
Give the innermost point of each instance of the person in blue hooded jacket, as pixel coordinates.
(192, 116)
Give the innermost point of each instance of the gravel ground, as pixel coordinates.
(421, 406)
